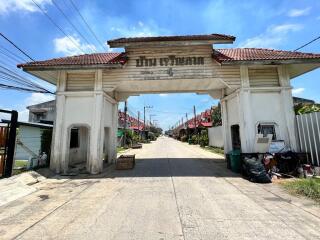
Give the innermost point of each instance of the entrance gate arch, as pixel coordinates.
(253, 86)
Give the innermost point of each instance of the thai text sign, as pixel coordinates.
(171, 60)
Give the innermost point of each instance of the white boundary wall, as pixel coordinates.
(308, 126)
(216, 136)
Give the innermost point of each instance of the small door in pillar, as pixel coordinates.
(78, 146)
(235, 137)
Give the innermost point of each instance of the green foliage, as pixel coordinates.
(306, 108)
(184, 138)
(306, 187)
(151, 136)
(194, 139)
(204, 139)
(156, 131)
(216, 116)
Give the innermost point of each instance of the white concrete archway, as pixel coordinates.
(253, 86)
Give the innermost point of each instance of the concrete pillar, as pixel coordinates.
(95, 164)
(226, 127)
(59, 134)
(113, 134)
(247, 127)
(288, 108)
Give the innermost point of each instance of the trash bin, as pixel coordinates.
(235, 161)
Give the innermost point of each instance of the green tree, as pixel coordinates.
(306, 108)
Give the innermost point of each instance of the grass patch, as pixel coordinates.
(309, 187)
(214, 150)
(121, 149)
(20, 163)
(20, 166)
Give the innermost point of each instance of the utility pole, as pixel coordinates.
(125, 124)
(139, 123)
(151, 115)
(144, 117)
(195, 119)
(186, 120)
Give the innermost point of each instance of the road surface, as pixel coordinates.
(176, 191)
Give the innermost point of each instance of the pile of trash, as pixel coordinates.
(265, 168)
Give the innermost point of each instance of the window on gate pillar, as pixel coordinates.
(74, 138)
(267, 128)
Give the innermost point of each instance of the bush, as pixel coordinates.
(151, 136)
(204, 139)
(184, 138)
(194, 139)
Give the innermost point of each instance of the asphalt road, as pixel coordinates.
(176, 191)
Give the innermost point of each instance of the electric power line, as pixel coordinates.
(57, 26)
(8, 74)
(5, 86)
(20, 50)
(88, 26)
(308, 43)
(13, 44)
(16, 56)
(75, 28)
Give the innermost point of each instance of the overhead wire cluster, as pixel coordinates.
(11, 78)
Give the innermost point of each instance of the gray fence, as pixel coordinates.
(308, 126)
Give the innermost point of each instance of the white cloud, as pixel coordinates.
(71, 46)
(7, 6)
(274, 36)
(139, 30)
(35, 98)
(285, 28)
(163, 94)
(299, 12)
(108, 47)
(297, 91)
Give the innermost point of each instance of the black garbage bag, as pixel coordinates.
(256, 171)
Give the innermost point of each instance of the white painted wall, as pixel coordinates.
(78, 110)
(267, 108)
(216, 136)
(31, 138)
(233, 110)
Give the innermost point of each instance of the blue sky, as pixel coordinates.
(275, 24)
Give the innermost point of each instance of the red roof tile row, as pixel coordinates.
(220, 55)
(256, 54)
(86, 59)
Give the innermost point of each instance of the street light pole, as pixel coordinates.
(144, 117)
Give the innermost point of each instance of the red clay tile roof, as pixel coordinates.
(86, 59)
(213, 36)
(256, 54)
(221, 55)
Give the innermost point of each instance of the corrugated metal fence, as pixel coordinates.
(308, 126)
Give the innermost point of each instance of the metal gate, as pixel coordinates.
(7, 143)
(309, 135)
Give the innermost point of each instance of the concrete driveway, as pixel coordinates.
(176, 191)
